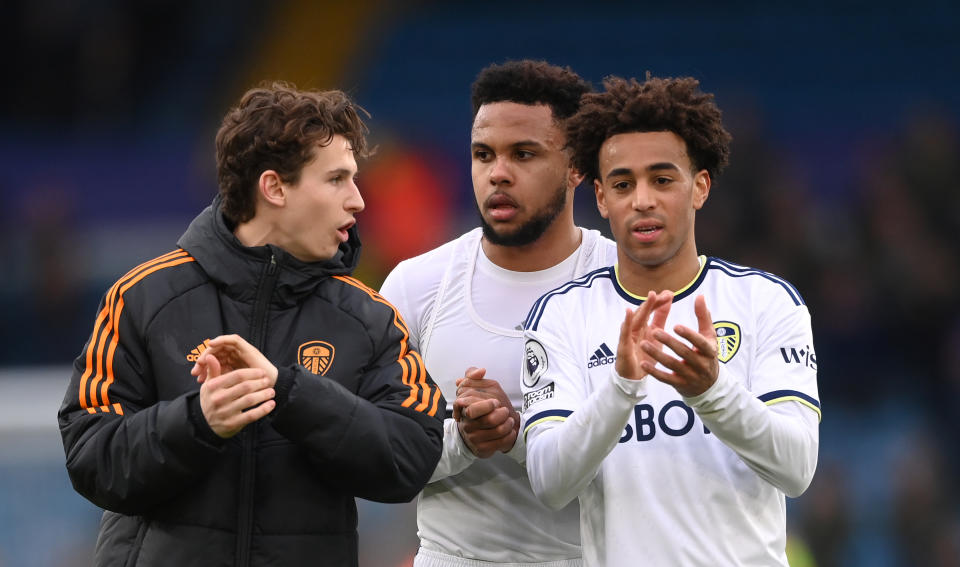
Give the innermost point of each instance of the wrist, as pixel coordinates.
(630, 372)
(634, 388)
(464, 441)
(509, 444)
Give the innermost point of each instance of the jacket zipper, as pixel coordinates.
(258, 332)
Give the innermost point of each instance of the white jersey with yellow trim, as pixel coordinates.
(462, 311)
(663, 479)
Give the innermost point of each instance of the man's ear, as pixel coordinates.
(601, 198)
(271, 188)
(574, 178)
(701, 188)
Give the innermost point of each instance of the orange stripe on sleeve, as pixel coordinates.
(422, 380)
(405, 378)
(115, 302)
(96, 345)
(411, 382)
(95, 342)
(107, 325)
(436, 400)
(90, 348)
(178, 253)
(417, 376)
(116, 333)
(397, 319)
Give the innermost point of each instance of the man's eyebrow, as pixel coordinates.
(620, 171)
(527, 143)
(652, 167)
(662, 165)
(520, 144)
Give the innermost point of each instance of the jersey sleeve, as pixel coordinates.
(127, 451)
(553, 385)
(569, 429)
(770, 418)
(381, 443)
(415, 297)
(786, 362)
(396, 291)
(456, 456)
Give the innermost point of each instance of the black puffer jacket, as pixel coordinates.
(356, 415)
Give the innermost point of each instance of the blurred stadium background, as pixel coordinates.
(845, 179)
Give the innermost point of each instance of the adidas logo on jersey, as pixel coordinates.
(601, 356)
(196, 351)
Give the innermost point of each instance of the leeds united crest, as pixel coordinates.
(316, 356)
(728, 339)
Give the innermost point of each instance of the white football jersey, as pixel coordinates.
(662, 479)
(464, 311)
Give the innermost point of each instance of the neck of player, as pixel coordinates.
(673, 274)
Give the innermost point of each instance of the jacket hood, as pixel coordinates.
(238, 268)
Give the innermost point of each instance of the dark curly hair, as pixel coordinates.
(656, 105)
(278, 127)
(530, 82)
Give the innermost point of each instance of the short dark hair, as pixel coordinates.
(656, 105)
(530, 82)
(278, 127)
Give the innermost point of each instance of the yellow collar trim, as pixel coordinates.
(702, 260)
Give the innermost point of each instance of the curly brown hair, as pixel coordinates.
(278, 127)
(530, 82)
(656, 105)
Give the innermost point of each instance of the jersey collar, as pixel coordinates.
(677, 295)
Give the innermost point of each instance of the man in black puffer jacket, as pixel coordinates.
(309, 393)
